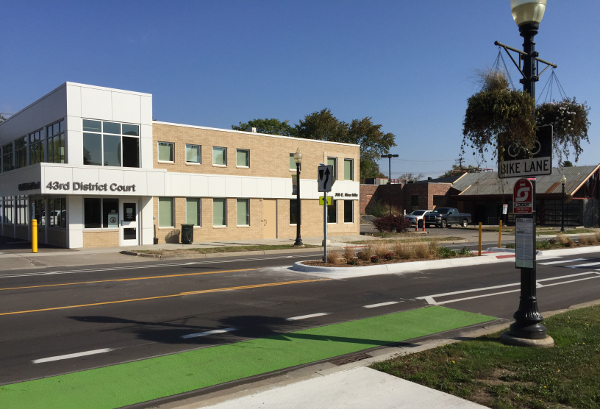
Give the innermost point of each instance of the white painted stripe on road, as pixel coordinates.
(381, 304)
(303, 317)
(70, 356)
(563, 261)
(585, 265)
(206, 333)
(572, 281)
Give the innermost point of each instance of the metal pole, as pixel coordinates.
(298, 241)
(324, 227)
(562, 218)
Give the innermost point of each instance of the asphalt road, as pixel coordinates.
(72, 319)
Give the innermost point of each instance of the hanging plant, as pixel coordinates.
(497, 116)
(569, 120)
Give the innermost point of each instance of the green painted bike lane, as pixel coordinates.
(140, 381)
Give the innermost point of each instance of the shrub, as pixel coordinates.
(445, 252)
(374, 258)
(352, 261)
(333, 257)
(434, 246)
(390, 223)
(348, 253)
(402, 250)
(389, 256)
(597, 234)
(380, 250)
(366, 253)
(543, 245)
(379, 209)
(421, 250)
(465, 252)
(588, 240)
(564, 240)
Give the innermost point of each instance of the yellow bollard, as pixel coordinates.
(480, 238)
(34, 236)
(500, 234)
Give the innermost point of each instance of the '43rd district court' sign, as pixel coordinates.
(516, 161)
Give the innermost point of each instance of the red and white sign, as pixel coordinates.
(523, 197)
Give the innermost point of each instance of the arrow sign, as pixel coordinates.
(325, 178)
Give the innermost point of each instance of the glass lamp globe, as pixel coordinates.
(527, 11)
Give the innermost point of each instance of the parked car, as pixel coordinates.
(446, 217)
(416, 215)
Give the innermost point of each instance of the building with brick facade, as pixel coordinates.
(93, 168)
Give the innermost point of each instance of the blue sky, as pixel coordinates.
(407, 64)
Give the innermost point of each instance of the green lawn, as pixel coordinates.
(499, 376)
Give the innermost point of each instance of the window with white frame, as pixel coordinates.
(111, 144)
(166, 152)
(58, 212)
(292, 162)
(348, 169)
(219, 212)
(193, 154)
(243, 212)
(165, 212)
(192, 211)
(243, 158)
(96, 212)
(8, 210)
(21, 210)
(219, 156)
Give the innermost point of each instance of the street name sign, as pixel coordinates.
(517, 161)
(523, 197)
(325, 178)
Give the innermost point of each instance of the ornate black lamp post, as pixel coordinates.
(527, 328)
(563, 181)
(298, 160)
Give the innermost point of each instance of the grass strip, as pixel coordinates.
(500, 376)
(140, 381)
(227, 249)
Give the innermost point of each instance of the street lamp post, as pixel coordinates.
(563, 181)
(527, 328)
(298, 160)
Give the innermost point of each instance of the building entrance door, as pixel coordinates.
(128, 223)
(269, 219)
(38, 212)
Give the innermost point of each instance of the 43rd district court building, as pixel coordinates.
(93, 168)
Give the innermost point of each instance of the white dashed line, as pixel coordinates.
(303, 317)
(563, 261)
(206, 333)
(70, 356)
(381, 304)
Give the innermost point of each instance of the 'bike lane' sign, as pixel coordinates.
(517, 161)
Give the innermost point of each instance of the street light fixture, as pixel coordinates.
(527, 328)
(563, 181)
(298, 160)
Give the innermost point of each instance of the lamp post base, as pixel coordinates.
(508, 339)
(298, 243)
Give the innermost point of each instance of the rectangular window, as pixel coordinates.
(243, 158)
(192, 211)
(36, 147)
(332, 212)
(21, 210)
(348, 169)
(219, 156)
(20, 153)
(243, 212)
(109, 207)
(38, 211)
(92, 149)
(292, 162)
(7, 157)
(193, 154)
(166, 152)
(219, 212)
(333, 162)
(58, 212)
(92, 213)
(104, 144)
(293, 211)
(165, 212)
(414, 201)
(8, 210)
(55, 140)
(348, 211)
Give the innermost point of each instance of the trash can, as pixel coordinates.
(187, 233)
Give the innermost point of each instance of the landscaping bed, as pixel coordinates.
(499, 376)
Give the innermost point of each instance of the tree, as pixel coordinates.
(322, 125)
(457, 170)
(567, 164)
(409, 177)
(2, 118)
(268, 125)
(497, 116)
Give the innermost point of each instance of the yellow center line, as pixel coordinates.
(126, 279)
(213, 290)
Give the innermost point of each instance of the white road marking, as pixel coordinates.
(70, 356)
(303, 317)
(563, 261)
(430, 299)
(206, 333)
(381, 304)
(584, 265)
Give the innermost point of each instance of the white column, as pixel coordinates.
(74, 221)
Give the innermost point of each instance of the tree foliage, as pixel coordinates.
(270, 126)
(497, 116)
(457, 170)
(410, 177)
(2, 118)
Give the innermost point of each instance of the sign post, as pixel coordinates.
(326, 180)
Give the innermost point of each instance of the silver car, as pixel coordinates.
(416, 215)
